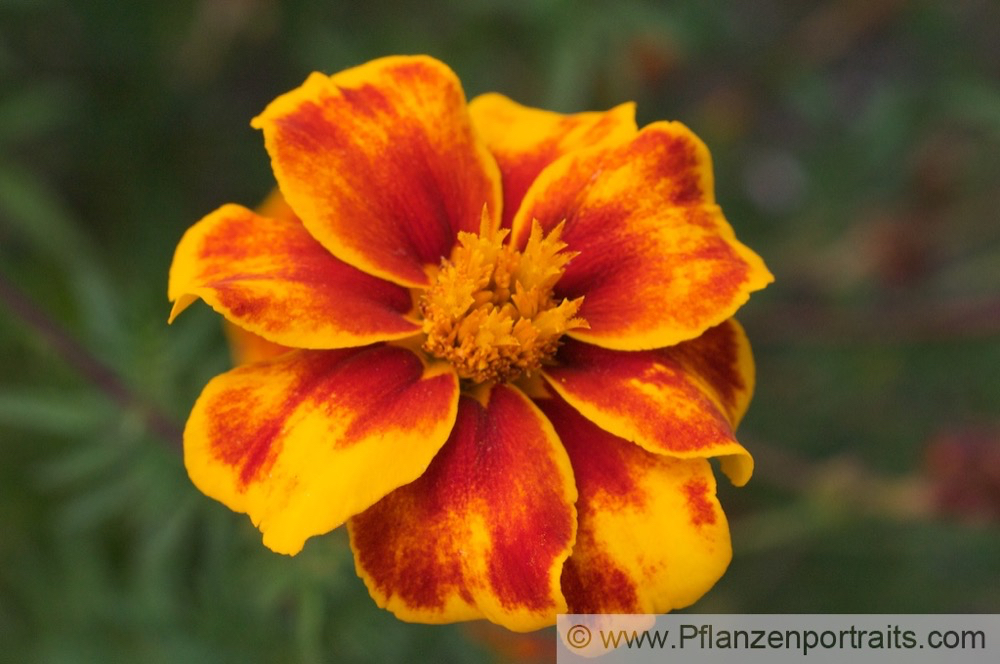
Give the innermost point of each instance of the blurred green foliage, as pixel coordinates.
(856, 148)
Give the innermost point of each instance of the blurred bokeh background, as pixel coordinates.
(856, 147)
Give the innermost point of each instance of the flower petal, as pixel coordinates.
(682, 401)
(485, 531)
(304, 441)
(381, 164)
(270, 277)
(274, 206)
(247, 347)
(652, 536)
(525, 140)
(658, 262)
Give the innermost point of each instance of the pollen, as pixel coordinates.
(490, 310)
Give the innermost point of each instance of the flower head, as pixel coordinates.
(511, 351)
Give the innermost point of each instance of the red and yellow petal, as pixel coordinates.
(382, 165)
(525, 140)
(683, 401)
(306, 440)
(658, 263)
(485, 531)
(276, 207)
(271, 278)
(247, 347)
(652, 536)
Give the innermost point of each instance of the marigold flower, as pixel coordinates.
(514, 351)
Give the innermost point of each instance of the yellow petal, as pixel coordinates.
(308, 439)
(652, 536)
(247, 347)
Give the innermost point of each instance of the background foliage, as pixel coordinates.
(857, 148)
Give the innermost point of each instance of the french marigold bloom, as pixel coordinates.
(495, 341)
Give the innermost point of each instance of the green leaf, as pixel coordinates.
(53, 412)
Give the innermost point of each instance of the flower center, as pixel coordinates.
(490, 309)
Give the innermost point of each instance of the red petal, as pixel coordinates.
(381, 164)
(658, 263)
(270, 277)
(681, 401)
(484, 532)
(525, 140)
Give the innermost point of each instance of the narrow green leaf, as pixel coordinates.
(53, 413)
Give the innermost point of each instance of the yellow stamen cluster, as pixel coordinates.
(490, 310)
